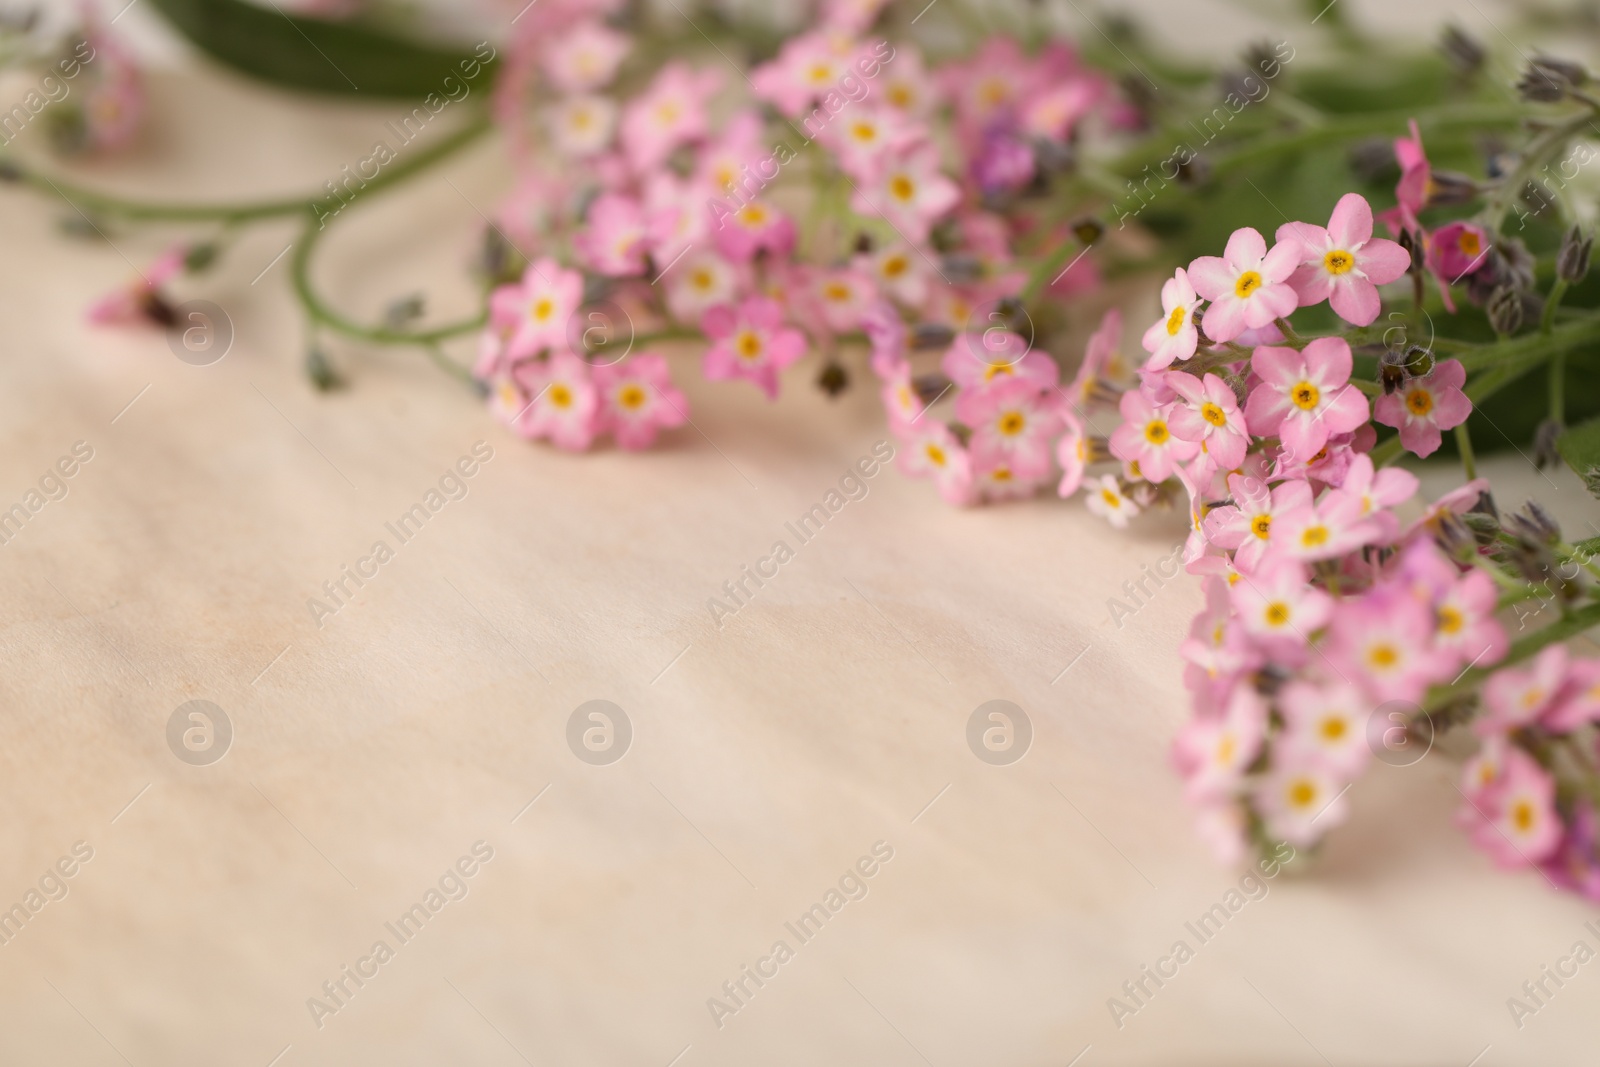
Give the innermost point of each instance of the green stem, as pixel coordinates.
(1469, 462)
(1558, 387)
(1548, 320)
(92, 202)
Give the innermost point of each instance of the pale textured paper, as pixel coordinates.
(768, 755)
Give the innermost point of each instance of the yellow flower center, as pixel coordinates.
(1313, 536)
(1225, 749)
(820, 72)
(560, 396)
(1213, 414)
(836, 291)
(864, 131)
(1305, 396)
(1419, 401)
(631, 396)
(1450, 620)
(902, 187)
(701, 279)
(1175, 321)
(753, 215)
(1248, 283)
(543, 308)
(1383, 656)
(900, 96)
(1302, 793)
(1012, 423)
(1277, 613)
(668, 113)
(1261, 526)
(748, 344)
(1338, 261)
(1468, 242)
(1000, 474)
(1332, 729)
(1522, 816)
(1112, 499)
(895, 266)
(935, 455)
(1155, 431)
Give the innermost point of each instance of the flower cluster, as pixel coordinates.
(684, 221)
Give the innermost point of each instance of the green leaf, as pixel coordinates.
(1580, 446)
(316, 55)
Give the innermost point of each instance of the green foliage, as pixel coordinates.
(1580, 445)
(313, 55)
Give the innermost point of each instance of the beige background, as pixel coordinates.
(372, 752)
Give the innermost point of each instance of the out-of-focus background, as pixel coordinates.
(812, 750)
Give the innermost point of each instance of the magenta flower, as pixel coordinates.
(1415, 185)
(1304, 396)
(929, 449)
(565, 406)
(1344, 264)
(614, 239)
(1248, 287)
(1145, 441)
(751, 342)
(1175, 336)
(638, 399)
(1279, 606)
(1422, 407)
(671, 112)
(1210, 417)
(1457, 250)
(1246, 525)
(534, 313)
(1013, 421)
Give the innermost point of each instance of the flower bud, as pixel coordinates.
(1465, 54)
(1196, 172)
(1544, 444)
(931, 335)
(1572, 261)
(321, 372)
(1533, 524)
(1088, 230)
(1591, 481)
(199, 257)
(1546, 79)
(930, 387)
(1450, 187)
(1505, 310)
(961, 268)
(834, 379)
(1372, 159)
(403, 311)
(1414, 249)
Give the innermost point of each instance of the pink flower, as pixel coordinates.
(699, 281)
(638, 399)
(930, 449)
(1304, 396)
(1325, 529)
(614, 238)
(1279, 606)
(1373, 491)
(141, 302)
(976, 360)
(1330, 721)
(755, 227)
(1105, 498)
(1579, 701)
(1246, 526)
(565, 405)
(997, 479)
(1424, 406)
(581, 126)
(1385, 641)
(1463, 605)
(585, 57)
(1514, 819)
(864, 135)
(1210, 417)
(1516, 698)
(1416, 180)
(842, 297)
(886, 332)
(1144, 439)
(1344, 264)
(671, 112)
(1212, 752)
(911, 193)
(1248, 287)
(536, 311)
(751, 342)
(1457, 250)
(511, 392)
(1013, 422)
(1175, 336)
(1098, 355)
(1072, 454)
(899, 272)
(1300, 800)
(1217, 649)
(900, 399)
(807, 68)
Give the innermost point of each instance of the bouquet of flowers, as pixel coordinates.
(939, 207)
